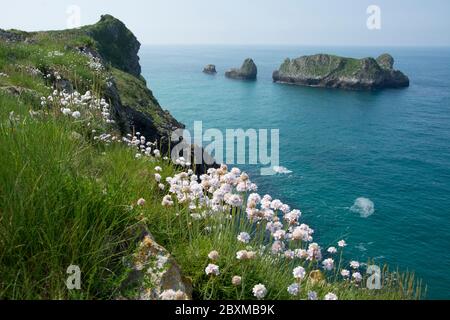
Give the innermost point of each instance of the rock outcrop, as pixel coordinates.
(11, 35)
(154, 274)
(323, 70)
(210, 69)
(134, 105)
(248, 71)
(116, 44)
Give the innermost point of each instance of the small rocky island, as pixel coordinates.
(210, 69)
(248, 71)
(329, 71)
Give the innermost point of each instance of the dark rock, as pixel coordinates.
(210, 69)
(116, 44)
(63, 85)
(323, 70)
(248, 71)
(11, 36)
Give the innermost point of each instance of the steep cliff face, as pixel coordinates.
(104, 55)
(136, 107)
(323, 70)
(116, 44)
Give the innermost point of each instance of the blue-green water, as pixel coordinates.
(392, 147)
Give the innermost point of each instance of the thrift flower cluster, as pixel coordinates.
(222, 192)
(74, 104)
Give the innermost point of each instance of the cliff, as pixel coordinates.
(107, 53)
(323, 70)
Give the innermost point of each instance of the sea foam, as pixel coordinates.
(281, 170)
(364, 206)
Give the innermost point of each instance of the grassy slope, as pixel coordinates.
(66, 199)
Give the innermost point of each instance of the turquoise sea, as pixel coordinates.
(392, 146)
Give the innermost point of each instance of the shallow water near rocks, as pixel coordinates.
(391, 147)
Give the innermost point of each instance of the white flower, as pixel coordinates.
(289, 254)
(312, 295)
(299, 273)
(302, 232)
(234, 200)
(244, 237)
(259, 291)
(66, 111)
(167, 201)
(357, 276)
(245, 255)
(212, 269)
(331, 296)
(293, 289)
(332, 250)
(236, 280)
(279, 234)
(213, 255)
(342, 243)
(158, 169)
(141, 202)
(292, 217)
(161, 186)
(241, 255)
(157, 177)
(76, 114)
(345, 273)
(276, 204)
(277, 247)
(354, 264)
(328, 264)
(314, 252)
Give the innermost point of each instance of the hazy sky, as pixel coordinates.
(318, 22)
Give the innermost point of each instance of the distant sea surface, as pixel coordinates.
(391, 147)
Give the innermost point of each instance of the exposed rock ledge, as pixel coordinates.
(154, 274)
(323, 70)
(248, 71)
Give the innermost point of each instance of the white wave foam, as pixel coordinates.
(281, 170)
(365, 207)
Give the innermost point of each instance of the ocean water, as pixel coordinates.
(390, 148)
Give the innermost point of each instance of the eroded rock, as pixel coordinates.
(154, 274)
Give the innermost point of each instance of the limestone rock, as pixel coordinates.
(248, 71)
(154, 274)
(210, 69)
(323, 70)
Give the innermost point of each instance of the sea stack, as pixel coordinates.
(248, 71)
(329, 71)
(210, 69)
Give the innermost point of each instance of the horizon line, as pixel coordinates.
(299, 44)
